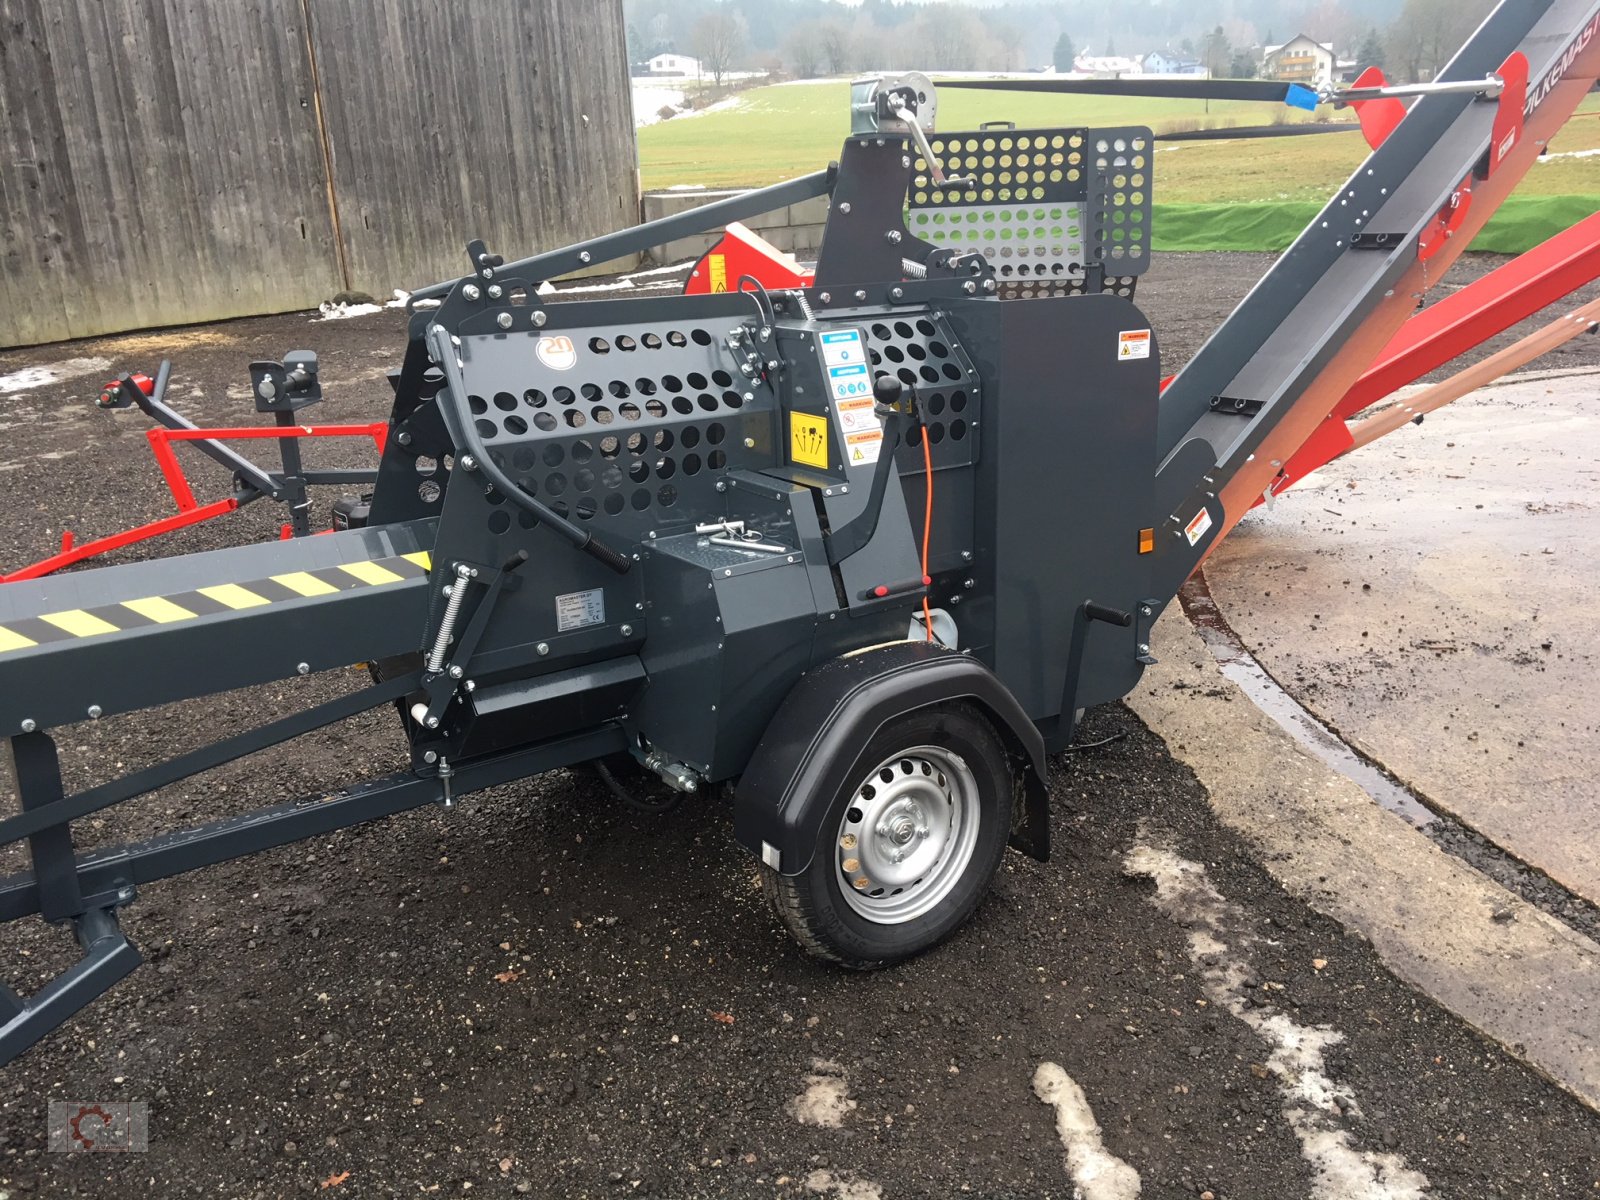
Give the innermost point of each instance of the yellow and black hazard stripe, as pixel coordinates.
(23, 632)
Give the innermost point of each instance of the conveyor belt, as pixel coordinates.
(92, 643)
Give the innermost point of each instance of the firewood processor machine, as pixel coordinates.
(857, 552)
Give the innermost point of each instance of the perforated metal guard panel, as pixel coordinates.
(919, 349)
(632, 437)
(1047, 205)
(1118, 212)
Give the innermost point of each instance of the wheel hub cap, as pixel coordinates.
(908, 834)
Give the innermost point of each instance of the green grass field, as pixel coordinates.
(782, 131)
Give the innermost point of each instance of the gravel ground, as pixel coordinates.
(542, 993)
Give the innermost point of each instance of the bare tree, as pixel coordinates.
(718, 39)
(1218, 53)
(949, 38)
(1428, 32)
(802, 49)
(1009, 38)
(836, 47)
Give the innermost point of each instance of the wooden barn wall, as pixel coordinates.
(511, 121)
(168, 161)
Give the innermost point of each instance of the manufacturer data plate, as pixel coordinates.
(579, 610)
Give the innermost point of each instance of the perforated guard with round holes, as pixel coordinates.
(633, 435)
(1049, 203)
(919, 349)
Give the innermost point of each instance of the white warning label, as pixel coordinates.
(857, 414)
(863, 447)
(578, 610)
(1133, 343)
(1196, 528)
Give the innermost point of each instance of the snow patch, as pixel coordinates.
(1568, 154)
(679, 269)
(29, 378)
(844, 1187)
(1098, 1174)
(1315, 1105)
(826, 1100)
(329, 311)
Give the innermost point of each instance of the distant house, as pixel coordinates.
(1165, 62)
(1300, 60)
(1106, 65)
(673, 65)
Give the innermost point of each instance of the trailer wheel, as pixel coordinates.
(906, 853)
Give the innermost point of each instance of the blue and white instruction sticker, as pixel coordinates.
(844, 360)
(842, 348)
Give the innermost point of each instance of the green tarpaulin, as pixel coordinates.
(1521, 224)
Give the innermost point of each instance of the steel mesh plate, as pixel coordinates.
(1049, 204)
(635, 433)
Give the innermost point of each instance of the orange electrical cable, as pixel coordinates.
(927, 528)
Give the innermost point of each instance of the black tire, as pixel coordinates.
(814, 906)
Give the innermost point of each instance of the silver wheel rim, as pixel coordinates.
(907, 835)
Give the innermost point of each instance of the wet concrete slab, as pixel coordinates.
(1431, 598)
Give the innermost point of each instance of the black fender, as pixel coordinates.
(814, 745)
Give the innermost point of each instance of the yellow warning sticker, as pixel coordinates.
(719, 272)
(808, 440)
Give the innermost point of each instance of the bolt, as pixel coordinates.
(457, 672)
(1144, 610)
(722, 485)
(967, 583)
(824, 296)
(1144, 647)
(94, 712)
(749, 443)
(430, 756)
(955, 599)
(403, 438)
(503, 320)
(627, 631)
(988, 285)
(471, 685)
(845, 208)
(433, 722)
(861, 294)
(29, 725)
(897, 293)
(539, 319)
(543, 648)
(969, 288)
(303, 668)
(471, 291)
(469, 462)
(585, 256)
(496, 291)
(966, 556)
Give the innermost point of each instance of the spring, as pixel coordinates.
(447, 627)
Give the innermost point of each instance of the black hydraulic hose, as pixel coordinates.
(478, 459)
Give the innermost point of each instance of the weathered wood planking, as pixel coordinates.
(509, 120)
(159, 163)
